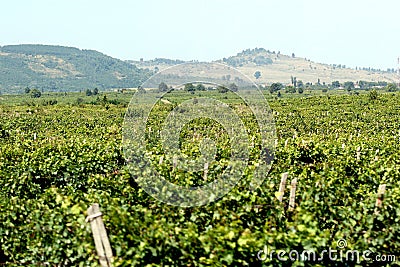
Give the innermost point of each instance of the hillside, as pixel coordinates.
(277, 67)
(59, 68)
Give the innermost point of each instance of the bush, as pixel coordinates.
(391, 87)
(373, 95)
(50, 102)
(35, 93)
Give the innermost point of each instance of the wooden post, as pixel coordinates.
(286, 142)
(292, 194)
(101, 242)
(376, 155)
(174, 162)
(381, 192)
(282, 186)
(205, 171)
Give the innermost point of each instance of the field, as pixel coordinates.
(59, 157)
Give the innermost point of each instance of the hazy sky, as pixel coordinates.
(362, 33)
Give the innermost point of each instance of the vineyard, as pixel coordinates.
(56, 160)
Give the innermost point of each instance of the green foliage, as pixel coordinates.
(335, 84)
(233, 87)
(367, 85)
(141, 89)
(300, 84)
(275, 87)
(391, 87)
(189, 87)
(88, 92)
(200, 87)
(349, 85)
(258, 56)
(257, 74)
(55, 161)
(49, 102)
(222, 89)
(163, 87)
(56, 68)
(373, 95)
(35, 93)
(290, 89)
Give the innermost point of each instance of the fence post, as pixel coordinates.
(101, 242)
(381, 192)
(174, 162)
(292, 194)
(282, 186)
(205, 171)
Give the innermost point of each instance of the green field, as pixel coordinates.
(58, 157)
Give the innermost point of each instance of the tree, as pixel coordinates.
(96, 91)
(275, 87)
(257, 74)
(189, 87)
(233, 87)
(293, 55)
(290, 89)
(200, 87)
(391, 87)
(335, 84)
(105, 100)
(300, 84)
(294, 81)
(163, 87)
(27, 90)
(141, 90)
(35, 93)
(222, 89)
(349, 86)
(88, 92)
(300, 90)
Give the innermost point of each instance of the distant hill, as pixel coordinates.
(59, 68)
(277, 67)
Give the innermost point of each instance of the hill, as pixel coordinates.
(277, 67)
(59, 68)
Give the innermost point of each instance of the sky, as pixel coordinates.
(356, 33)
